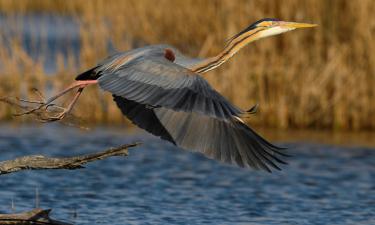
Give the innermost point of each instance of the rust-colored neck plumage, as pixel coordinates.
(234, 45)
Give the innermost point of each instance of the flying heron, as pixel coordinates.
(162, 91)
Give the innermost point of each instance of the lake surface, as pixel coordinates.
(160, 184)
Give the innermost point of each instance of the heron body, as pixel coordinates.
(162, 91)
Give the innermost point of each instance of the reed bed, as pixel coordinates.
(313, 78)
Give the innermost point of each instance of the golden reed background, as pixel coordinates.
(313, 78)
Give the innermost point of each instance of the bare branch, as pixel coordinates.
(39, 162)
(13, 102)
(44, 114)
(41, 114)
(35, 216)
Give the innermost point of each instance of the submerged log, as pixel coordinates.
(39, 162)
(34, 217)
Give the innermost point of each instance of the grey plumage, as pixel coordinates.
(154, 80)
(172, 102)
(161, 90)
(229, 141)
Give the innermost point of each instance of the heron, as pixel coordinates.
(163, 92)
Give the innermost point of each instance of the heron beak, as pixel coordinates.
(293, 25)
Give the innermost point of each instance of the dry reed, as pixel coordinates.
(317, 78)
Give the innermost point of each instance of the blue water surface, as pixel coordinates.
(161, 184)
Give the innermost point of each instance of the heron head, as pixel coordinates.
(269, 27)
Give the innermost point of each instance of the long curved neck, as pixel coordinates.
(234, 45)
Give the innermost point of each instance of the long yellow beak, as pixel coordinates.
(294, 25)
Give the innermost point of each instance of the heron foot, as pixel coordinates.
(44, 105)
(59, 116)
(44, 109)
(41, 102)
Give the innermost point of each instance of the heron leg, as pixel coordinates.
(78, 84)
(67, 110)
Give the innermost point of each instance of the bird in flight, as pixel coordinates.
(162, 91)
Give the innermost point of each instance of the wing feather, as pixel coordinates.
(224, 140)
(154, 80)
(172, 102)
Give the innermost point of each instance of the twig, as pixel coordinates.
(42, 115)
(35, 217)
(13, 102)
(39, 162)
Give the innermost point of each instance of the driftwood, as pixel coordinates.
(35, 217)
(39, 162)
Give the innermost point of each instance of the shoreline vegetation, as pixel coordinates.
(317, 78)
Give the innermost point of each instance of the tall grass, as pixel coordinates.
(316, 78)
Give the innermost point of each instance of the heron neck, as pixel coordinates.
(234, 45)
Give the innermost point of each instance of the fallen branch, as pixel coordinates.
(35, 216)
(39, 162)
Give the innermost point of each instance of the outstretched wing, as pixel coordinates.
(157, 93)
(150, 78)
(229, 141)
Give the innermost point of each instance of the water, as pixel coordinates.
(160, 184)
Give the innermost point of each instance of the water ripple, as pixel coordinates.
(160, 184)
